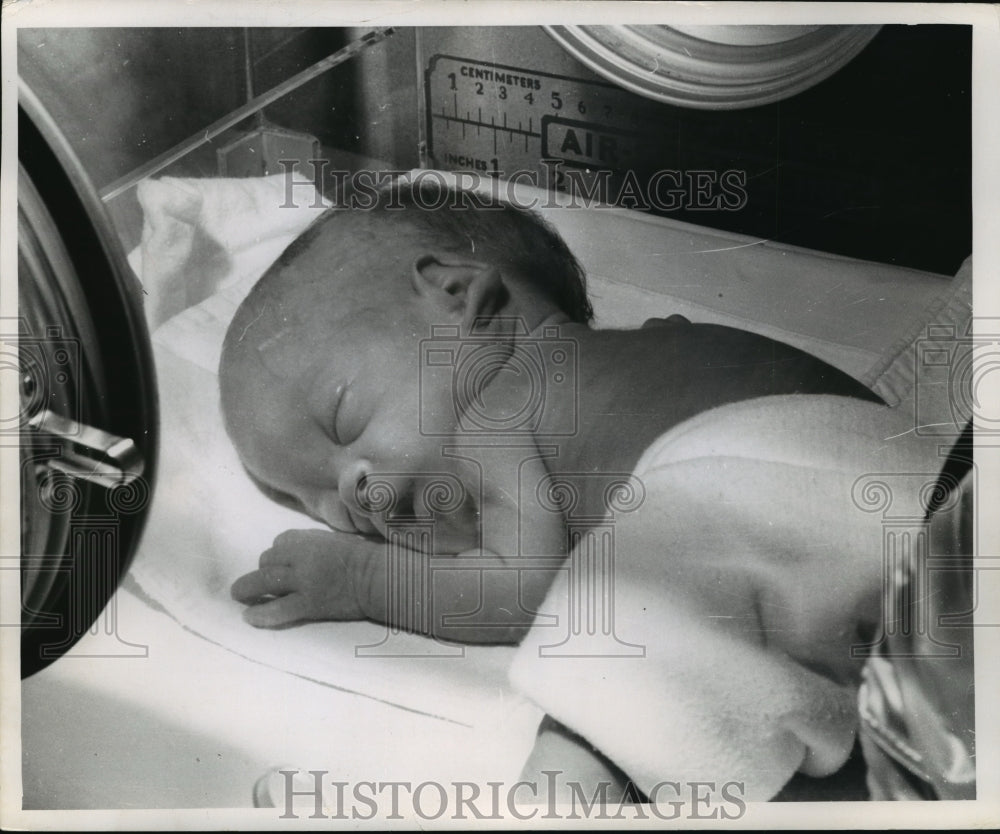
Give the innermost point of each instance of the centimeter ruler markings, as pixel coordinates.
(497, 118)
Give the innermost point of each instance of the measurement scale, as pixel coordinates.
(500, 119)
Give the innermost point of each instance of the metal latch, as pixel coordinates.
(89, 453)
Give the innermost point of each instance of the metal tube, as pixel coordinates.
(423, 156)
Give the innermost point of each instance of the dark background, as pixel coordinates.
(874, 162)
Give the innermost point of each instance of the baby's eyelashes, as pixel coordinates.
(335, 415)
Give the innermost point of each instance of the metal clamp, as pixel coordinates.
(89, 453)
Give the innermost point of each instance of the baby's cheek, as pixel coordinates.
(328, 507)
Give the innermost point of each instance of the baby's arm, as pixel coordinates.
(327, 575)
(478, 596)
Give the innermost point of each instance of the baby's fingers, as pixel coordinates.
(268, 581)
(278, 612)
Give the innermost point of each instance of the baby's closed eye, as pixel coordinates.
(345, 418)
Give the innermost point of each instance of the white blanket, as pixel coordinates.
(738, 586)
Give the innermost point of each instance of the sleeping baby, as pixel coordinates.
(333, 392)
(419, 379)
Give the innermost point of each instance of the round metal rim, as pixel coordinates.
(122, 399)
(676, 68)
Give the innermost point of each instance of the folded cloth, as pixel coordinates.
(200, 236)
(733, 596)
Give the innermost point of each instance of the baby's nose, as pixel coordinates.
(353, 485)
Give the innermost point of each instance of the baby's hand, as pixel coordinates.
(320, 575)
(308, 575)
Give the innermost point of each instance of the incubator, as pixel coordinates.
(655, 151)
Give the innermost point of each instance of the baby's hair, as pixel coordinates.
(471, 222)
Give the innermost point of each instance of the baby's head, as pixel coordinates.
(321, 377)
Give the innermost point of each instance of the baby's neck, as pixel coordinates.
(564, 382)
(599, 451)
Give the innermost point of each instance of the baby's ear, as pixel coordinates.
(460, 285)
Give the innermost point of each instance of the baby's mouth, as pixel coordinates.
(453, 531)
(362, 523)
(339, 516)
